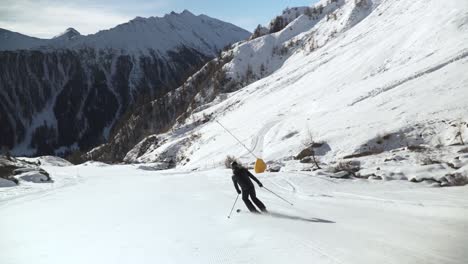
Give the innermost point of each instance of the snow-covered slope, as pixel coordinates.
(120, 214)
(303, 29)
(374, 77)
(386, 73)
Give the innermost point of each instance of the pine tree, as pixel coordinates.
(277, 24)
(308, 12)
(257, 32)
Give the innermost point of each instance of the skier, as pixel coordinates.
(242, 177)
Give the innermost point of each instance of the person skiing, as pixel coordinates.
(242, 177)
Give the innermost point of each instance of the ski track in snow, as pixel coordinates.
(258, 140)
(437, 67)
(120, 214)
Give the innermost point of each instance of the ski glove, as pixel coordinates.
(260, 184)
(239, 192)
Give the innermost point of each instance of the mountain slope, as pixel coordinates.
(77, 87)
(236, 67)
(15, 41)
(388, 76)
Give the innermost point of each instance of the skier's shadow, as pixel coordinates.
(298, 218)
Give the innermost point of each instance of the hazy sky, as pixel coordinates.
(47, 18)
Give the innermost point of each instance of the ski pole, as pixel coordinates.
(238, 140)
(229, 216)
(278, 196)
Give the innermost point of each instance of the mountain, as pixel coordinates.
(362, 78)
(242, 64)
(67, 93)
(202, 33)
(15, 41)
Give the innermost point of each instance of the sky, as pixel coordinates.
(48, 18)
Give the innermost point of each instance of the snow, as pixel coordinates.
(120, 214)
(6, 183)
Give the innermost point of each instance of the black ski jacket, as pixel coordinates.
(242, 177)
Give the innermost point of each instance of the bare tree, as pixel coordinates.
(5, 150)
(310, 144)
(308, 12)
(459, 132)
(320, 9)
(258, 32)
(277, 24)
(262, 69)
(360, 3)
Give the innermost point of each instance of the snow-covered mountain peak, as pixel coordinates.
(166, 33)
(186, 12)
(68, 34)
(71, 31)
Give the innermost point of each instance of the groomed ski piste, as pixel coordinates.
(400, 72)
(96, 213)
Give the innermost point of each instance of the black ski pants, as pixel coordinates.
(253, 196)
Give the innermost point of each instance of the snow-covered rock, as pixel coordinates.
(49, 161)
(35, 177)
(17, 170)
